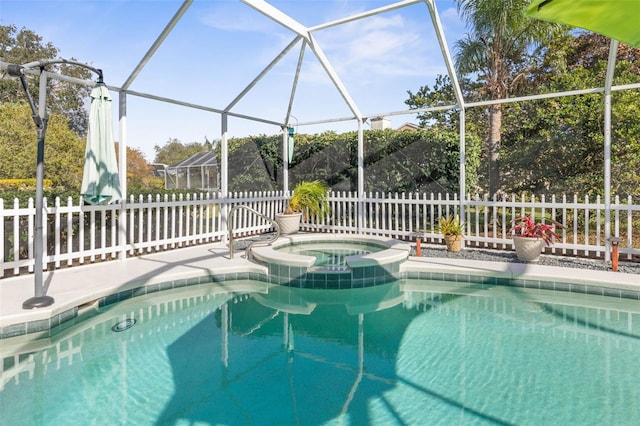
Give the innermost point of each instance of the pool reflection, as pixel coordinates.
(290, 356)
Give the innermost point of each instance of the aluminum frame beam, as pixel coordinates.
(157, 43)
(278, 16)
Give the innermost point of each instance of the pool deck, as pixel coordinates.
(83, 285)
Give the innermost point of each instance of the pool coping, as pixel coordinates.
(395, 250)
(525, 275)
(359, 270)
(82, 287)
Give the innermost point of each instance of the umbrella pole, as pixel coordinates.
(40, 299)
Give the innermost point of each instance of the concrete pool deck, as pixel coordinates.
(82, 286)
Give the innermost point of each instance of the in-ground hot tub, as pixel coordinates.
(332, 261)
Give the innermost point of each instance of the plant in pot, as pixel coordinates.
(308, 198)
(529, 237)
(451, 228)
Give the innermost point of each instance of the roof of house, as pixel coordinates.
(204, 158)
(409, 126)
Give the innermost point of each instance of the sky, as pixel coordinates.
(219, 47)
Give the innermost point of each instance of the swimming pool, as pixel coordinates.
(407, 352)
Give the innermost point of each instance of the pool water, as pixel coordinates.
(331, 256)
(407, 352)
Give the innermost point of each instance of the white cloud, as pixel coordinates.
(389, 46)
(228, 16)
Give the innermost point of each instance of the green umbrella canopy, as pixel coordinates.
(617, 19)
(100, 181)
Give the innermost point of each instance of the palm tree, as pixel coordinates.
(498, 51)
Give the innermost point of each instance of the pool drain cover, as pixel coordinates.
(124, 325)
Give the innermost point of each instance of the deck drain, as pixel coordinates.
(124, 325)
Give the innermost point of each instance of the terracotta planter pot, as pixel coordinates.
(454, 242)
(527, 248)
(289, 223)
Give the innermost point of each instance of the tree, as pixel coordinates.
(498, 50)
(64, 150)
(557, 144)
(254, 162)
(440, 95)
(66, 99)
(449, 120)
(417, 161)
(139, 172)
(411, 161)
(174, 151)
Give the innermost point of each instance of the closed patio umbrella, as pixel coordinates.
(100, 181)
(615, 19)
(290, 142)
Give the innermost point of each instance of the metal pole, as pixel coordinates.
(224, 154)
(361, 194)
(224, 174)
(122, 148)
(613, 49)
(40, 299)
(463, 169)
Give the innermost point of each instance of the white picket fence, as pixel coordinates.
(77, 234)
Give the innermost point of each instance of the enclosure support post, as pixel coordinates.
(457, 90)
(360, 176)
(224, 174)
(122, 148)
(463, 158)
(611, 64)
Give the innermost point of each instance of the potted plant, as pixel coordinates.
(308, 198)
(451, 228)
(529, 237)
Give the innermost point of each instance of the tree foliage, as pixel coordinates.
(64, 150)
(556, 145)
(173, 151)
(64, 153)
(441, 94)
(140, 176)
(254, 163)
(425, 160)
(499, 51)
(63, 98)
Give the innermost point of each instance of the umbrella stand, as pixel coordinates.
(40, 298)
